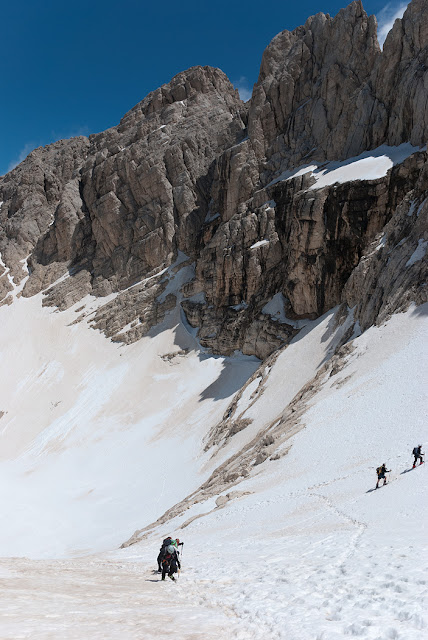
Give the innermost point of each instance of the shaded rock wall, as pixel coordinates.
(302, 243)
(393, 272)
(31, 194)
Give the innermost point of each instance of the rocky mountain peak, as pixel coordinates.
(393, 107)
(308, 82)
(414, 27)
(193, 170)
(193, 86)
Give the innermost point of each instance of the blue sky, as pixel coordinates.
(75, 68)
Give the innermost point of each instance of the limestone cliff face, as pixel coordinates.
(147, 182)
(31, 195)
(392, 106)
(192, 170)
(392, 273)
(304, 100)
(326, 91)
(143, 189)
(302, 243)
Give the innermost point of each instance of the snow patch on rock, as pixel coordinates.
(418, 254)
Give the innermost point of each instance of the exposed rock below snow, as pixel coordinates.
(233, 495)
(114, 318)
(392, 274)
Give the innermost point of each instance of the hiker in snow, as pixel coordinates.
(381, 474)
(176, 543)
(170, 562)
(165, 544)
(417, 452)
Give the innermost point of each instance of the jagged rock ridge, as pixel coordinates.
(192, 169)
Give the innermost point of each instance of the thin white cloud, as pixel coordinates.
(21, 156)
(54, 136)
(244, 88)
(386, 18)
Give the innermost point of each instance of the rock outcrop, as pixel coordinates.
(326, 91)
(31, 195)
(304, 100)
(303, 243)
(143, 190)
(392, 106)
(192, 170)
(392, 274)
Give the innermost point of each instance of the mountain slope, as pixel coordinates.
(93, 433)
(214, 325)
(306, 548)
(193, 169)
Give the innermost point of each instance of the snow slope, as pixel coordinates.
(313, 552)
(100, 439)
(92, 432)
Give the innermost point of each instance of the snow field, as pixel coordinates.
(92, 432)
(97, 599)
(295, 366)
(369, 165)
(99, 440)
(314, 553)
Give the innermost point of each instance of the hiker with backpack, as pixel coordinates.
(165, 544)
(381, 471)
(168, 541)
(417, 452)
(170, 562)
